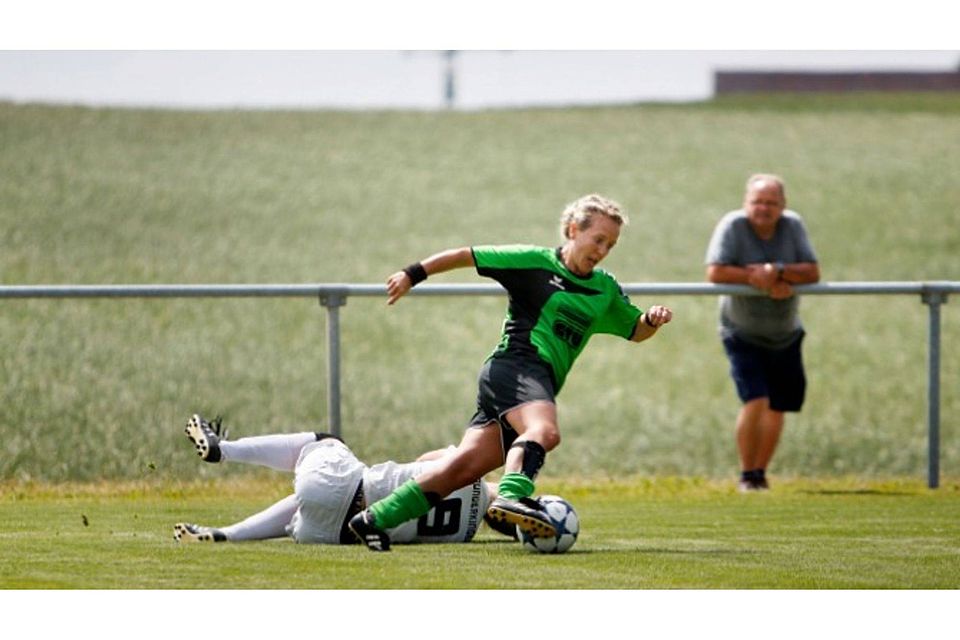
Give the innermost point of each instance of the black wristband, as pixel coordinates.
(416, 273)
(646, 321)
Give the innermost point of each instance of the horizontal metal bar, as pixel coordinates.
(332, 296)
(187, 291)
(322, 289)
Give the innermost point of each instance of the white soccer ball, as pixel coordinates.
(564, 518)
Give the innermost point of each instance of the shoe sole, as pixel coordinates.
(371, 541)
(194, 431)
(181, 533)
(529, 525)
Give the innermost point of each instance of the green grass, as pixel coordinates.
(99, 388)
(856, 101)
(669, 533)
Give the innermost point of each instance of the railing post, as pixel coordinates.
(333, 299)
(933, 299)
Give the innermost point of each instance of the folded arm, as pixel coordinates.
(774, 278)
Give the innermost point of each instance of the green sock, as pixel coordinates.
(515, 486)
(405, 503)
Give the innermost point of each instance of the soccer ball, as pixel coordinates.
(566, 521)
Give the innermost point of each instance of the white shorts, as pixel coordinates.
(327, 477)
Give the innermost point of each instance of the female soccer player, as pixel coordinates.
(557, 300)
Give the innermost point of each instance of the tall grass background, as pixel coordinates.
(101, 388)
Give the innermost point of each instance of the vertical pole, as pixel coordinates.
(449, 79)
(933, 299)
(333, 300)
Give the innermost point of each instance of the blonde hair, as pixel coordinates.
(584, 209)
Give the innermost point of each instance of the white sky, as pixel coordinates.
(487, 24)
(376, 54)
(396, 79)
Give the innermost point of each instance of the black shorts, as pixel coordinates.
(776, 374)
(505, 383)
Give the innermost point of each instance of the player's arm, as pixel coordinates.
(402, 281)
(649, 321)
(436, 454)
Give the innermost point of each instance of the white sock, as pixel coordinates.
(270, 523)
(279, 451)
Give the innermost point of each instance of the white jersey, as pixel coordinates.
(456, 519)
(328, 475)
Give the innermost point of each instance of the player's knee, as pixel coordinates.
(547, 437)
(545, 432)
(551, 439)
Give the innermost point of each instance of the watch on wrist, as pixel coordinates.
(780, 269)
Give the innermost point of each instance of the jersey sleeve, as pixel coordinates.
(506, 263)
(491, 258)
(621, 316)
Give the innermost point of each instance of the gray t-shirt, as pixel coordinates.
(760, 320)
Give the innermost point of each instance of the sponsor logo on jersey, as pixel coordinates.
(473, 517)
(570, 326)
(557, 282)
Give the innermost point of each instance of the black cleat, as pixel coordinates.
(206, 437)
(364, 527)
(525, 513)
(753, 485)
(186, 532)
(501, 526)
(752, 481)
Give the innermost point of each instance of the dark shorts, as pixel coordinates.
(776, 374)
(505, 383)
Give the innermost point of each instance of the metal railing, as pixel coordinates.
(333, 296)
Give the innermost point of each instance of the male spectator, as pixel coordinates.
(765, 246)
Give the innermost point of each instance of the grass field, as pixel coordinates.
(98, 388)
(668, 533)
(96, 391)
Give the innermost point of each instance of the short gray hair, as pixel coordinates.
(584, 209)
(768, 177)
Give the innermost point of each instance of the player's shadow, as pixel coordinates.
(709, 551)
(579, 550)
(591, 550)
(856, 492)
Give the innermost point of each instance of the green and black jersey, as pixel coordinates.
(552, 312)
